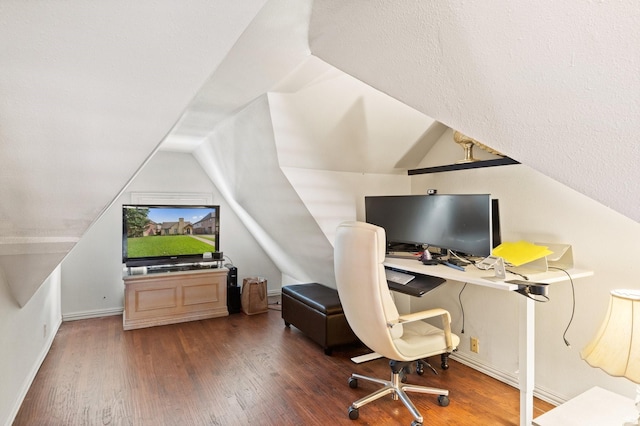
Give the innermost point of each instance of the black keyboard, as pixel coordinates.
(417, 287)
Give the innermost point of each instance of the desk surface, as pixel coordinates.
(473, 275)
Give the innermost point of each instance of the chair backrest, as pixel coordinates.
(359, 253)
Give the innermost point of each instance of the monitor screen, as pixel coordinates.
(155, 235)
(458, 222)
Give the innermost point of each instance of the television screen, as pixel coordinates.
(462, 223)
(156, 235)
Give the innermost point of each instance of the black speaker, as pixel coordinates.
(232, 275)
(233, 291)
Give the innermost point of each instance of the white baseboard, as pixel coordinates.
(508, 378)
(74, 316)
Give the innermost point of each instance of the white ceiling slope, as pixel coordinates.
(87, 92)
(314, 117)
(269, 49)
(553, 85)
(318, 118)
(325, 119)
(230, 130)
(336, 137)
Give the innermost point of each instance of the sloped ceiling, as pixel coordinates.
(271, 105)
(88, 90)
(555, 85)
(269, 49)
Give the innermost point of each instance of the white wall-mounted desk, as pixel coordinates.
(475, 276)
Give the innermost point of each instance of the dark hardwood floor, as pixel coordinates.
(235, 370)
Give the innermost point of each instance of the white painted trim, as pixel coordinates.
(184, 198)
(74, 316)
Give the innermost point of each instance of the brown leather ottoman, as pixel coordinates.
(315, 310)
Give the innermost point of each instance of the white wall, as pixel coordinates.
(92, 273)
(26, 335)
(536, 208)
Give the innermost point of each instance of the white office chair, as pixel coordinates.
(359, 254)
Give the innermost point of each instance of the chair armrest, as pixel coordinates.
(431, 313)
(417, 316)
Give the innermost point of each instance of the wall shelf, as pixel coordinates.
(464, 166)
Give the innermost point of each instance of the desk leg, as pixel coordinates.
(526, 359)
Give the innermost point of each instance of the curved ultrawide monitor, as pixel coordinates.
(458, 222)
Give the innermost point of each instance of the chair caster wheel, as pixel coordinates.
(444, 366)
(416, 423)
(353, 383)
(353, 413)
(420, 368)
(443, 400)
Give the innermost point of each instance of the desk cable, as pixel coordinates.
(573, 305)
(524, 277)
(454, 254)
(533, 292)
(461, 306)
(460, 298)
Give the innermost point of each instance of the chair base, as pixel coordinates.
(421, 363)
(397, 390)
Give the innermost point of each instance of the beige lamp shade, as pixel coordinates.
(616, 347)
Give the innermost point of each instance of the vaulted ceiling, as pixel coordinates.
(89, 90)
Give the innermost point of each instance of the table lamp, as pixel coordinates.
(616, 347)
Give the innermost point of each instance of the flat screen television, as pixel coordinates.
(166, 235)
(465, 223)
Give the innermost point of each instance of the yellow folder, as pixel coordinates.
(520, 252)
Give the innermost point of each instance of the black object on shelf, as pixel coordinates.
(464, 166)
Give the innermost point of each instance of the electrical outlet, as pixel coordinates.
(44, 331)
(475, 345)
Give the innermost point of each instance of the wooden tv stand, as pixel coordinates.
(170, 297)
